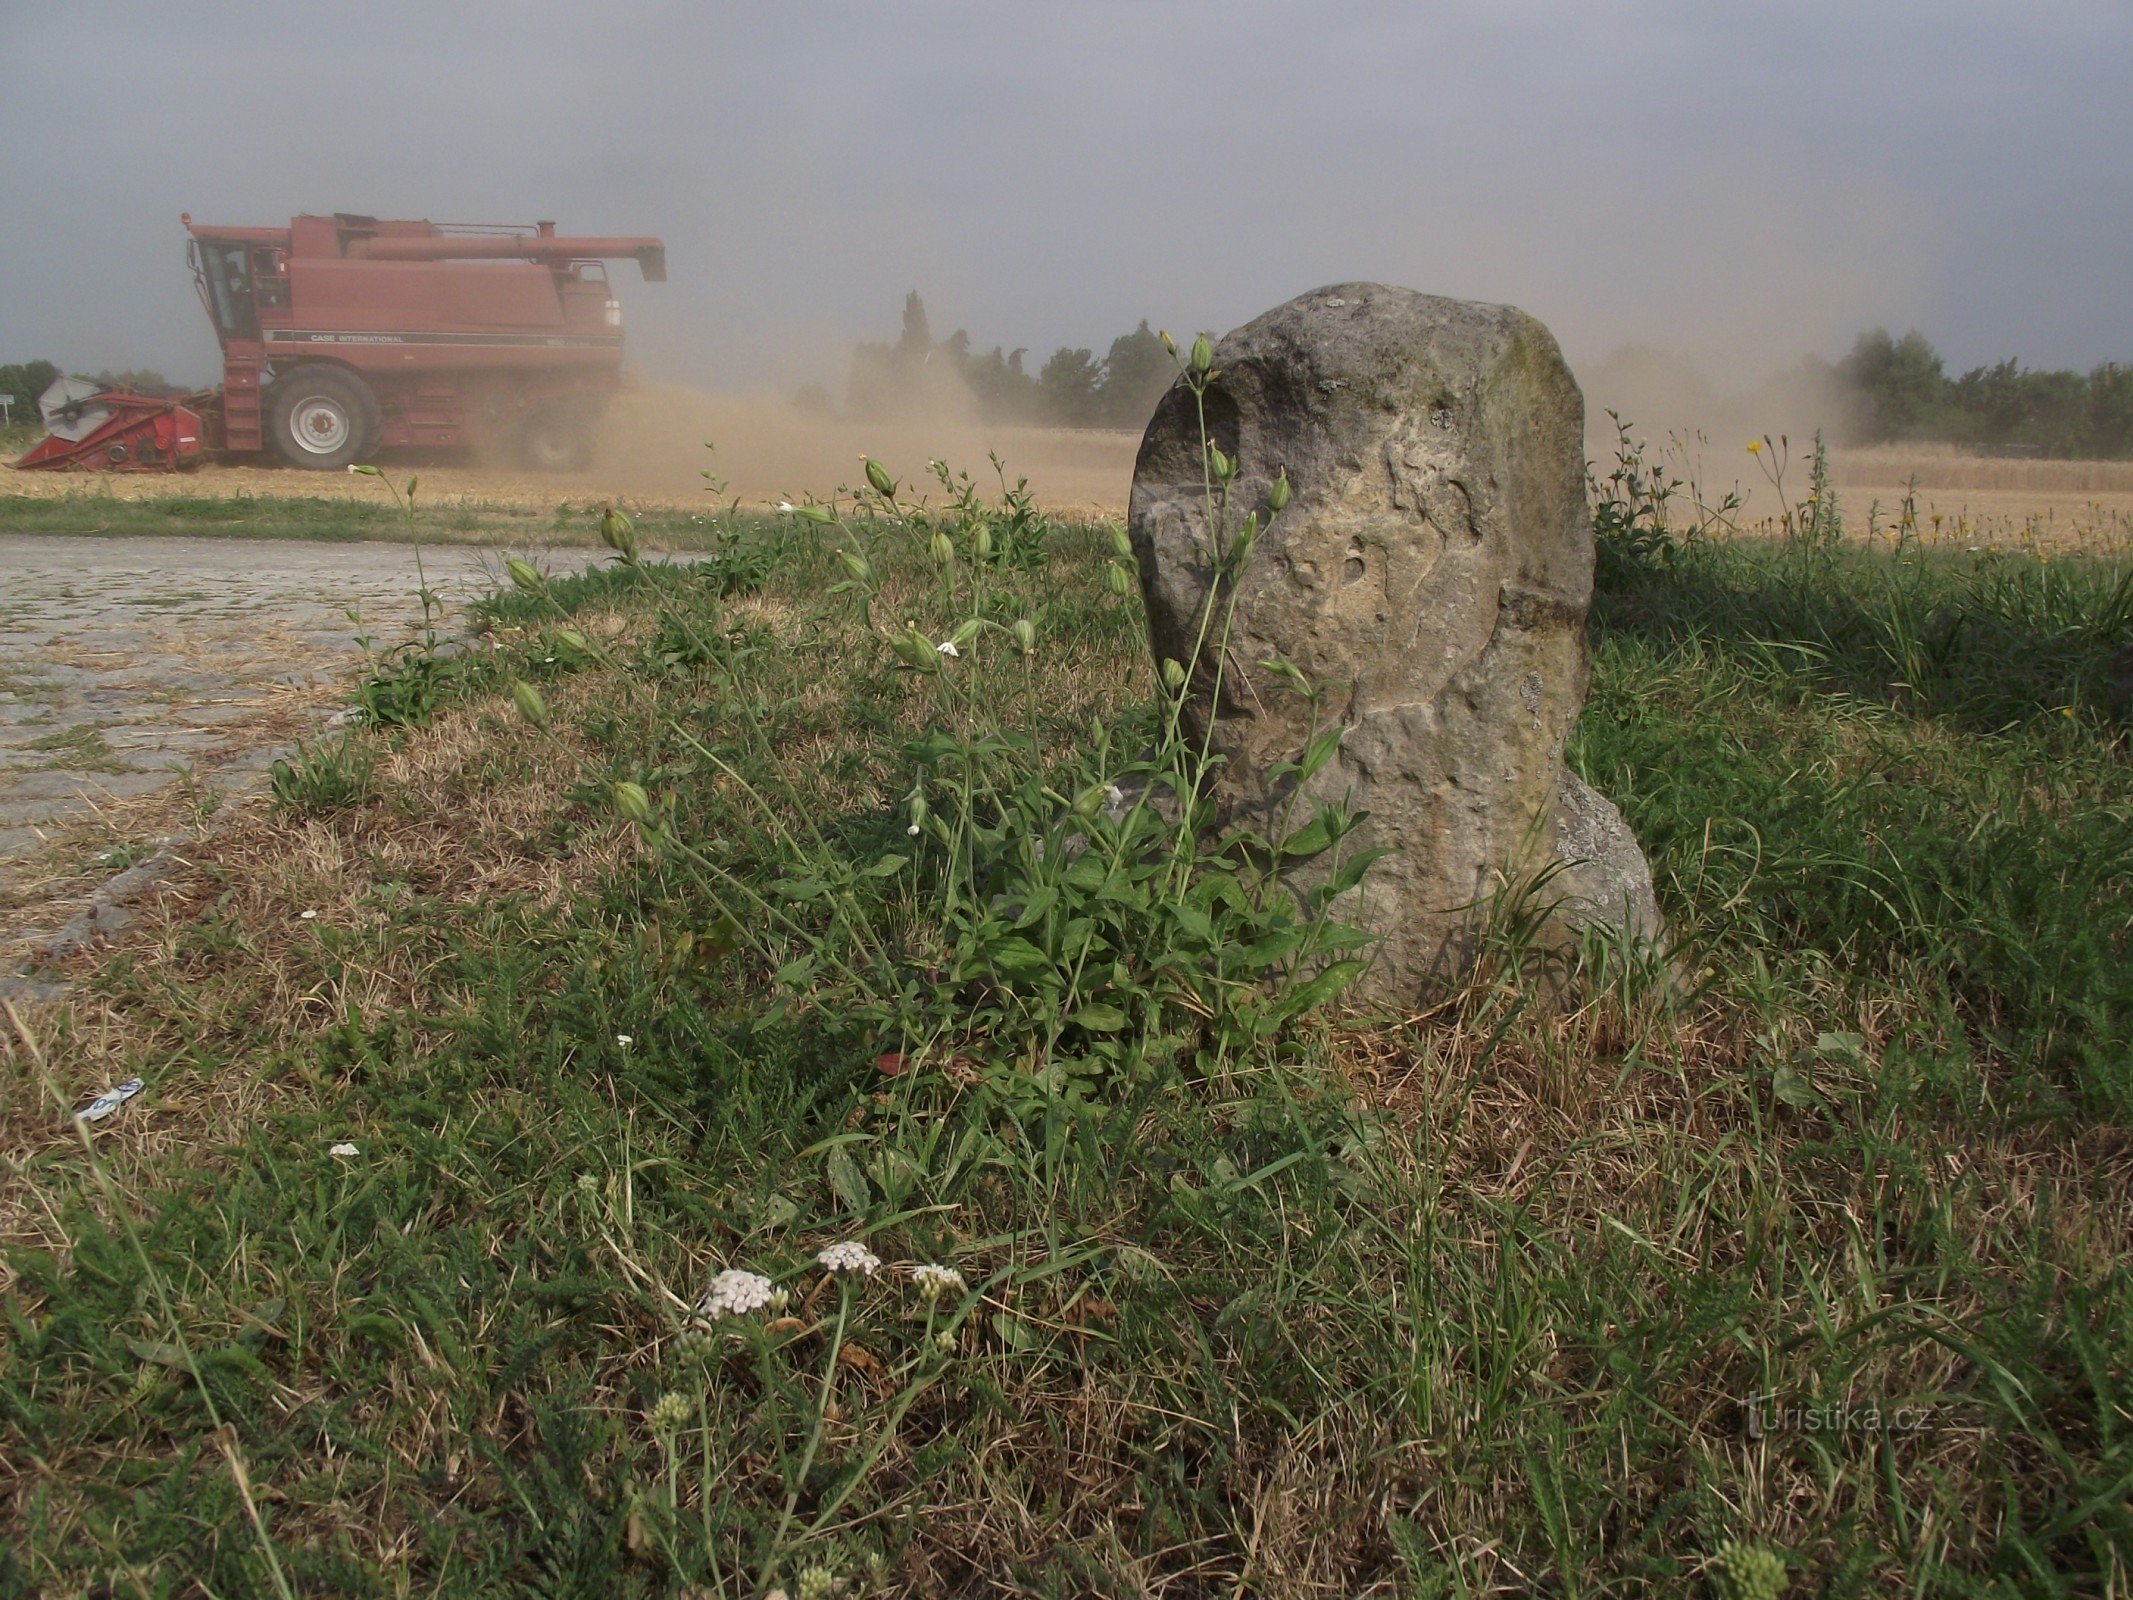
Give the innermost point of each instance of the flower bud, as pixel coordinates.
(1173, 675)
(574, 640)
(524, 575)
(1203, 354)
(942, 548)
(530, 704)
(981, 541)
(1223, 466)
(1117, 579)
(815, 513)
(618, 533)
(1025, 632)
(861, 570)
(878, 476)
(1278, 496)
(1170, 345)
(1121, 546)
(633, 802)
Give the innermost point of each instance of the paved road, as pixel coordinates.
(136, 668)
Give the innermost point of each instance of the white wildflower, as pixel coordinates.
(934, 1281)
(344, 1148)
(1115, 795)
(307, 916)
(912, 830)
(947, 648)
(786, 505)
(735, 1293)
(850, 1256)
(625, 1040)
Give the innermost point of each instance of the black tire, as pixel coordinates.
(322, 418)
(557, 439)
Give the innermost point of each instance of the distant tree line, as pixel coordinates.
(1900, 391)
(1075, 388)
(26, 380)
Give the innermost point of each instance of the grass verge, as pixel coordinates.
(1823, 1260)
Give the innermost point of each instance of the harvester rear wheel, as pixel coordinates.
(323, 417)
(557, 439)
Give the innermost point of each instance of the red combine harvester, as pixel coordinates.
(343, 335)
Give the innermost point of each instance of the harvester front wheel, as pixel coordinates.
(557, 439)
(323, 418)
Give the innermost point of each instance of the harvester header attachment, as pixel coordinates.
(91, 428)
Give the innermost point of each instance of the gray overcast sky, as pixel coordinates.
(1739, 182)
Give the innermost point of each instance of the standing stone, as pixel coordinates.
(1430, 575)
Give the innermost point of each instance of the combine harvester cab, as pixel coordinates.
(345, 335)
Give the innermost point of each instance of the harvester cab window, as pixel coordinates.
(229, 289)
(270, 283)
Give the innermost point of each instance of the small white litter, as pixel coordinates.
(109, 1101)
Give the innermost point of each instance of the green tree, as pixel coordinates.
(1900, 384)
(1068, 384)
(26, 380)
(1136, 372)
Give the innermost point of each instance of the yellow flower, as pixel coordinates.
(1755, 447)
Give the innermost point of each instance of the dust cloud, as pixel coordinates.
(770, 449)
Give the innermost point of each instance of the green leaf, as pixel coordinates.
(1351, 869)
(1040, 901)
(799, 888)
(1016, 957)
(887, 867)
(795, 974)
(1313, 838)
(1086, 873)
(1098, 1017)
(1322, 988)
(1790, 1085)
(1320, 750)
(845, 1178)
(1274, 948)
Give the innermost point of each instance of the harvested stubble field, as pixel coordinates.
(652, 459)
(699, 926)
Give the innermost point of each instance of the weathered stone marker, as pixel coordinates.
(1431, 573)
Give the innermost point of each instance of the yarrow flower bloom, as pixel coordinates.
(935, 1281)
(735, 1293)
(850, 1256)
(671, 1411)
(624, 1040)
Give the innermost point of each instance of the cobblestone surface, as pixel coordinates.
(137, 672)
